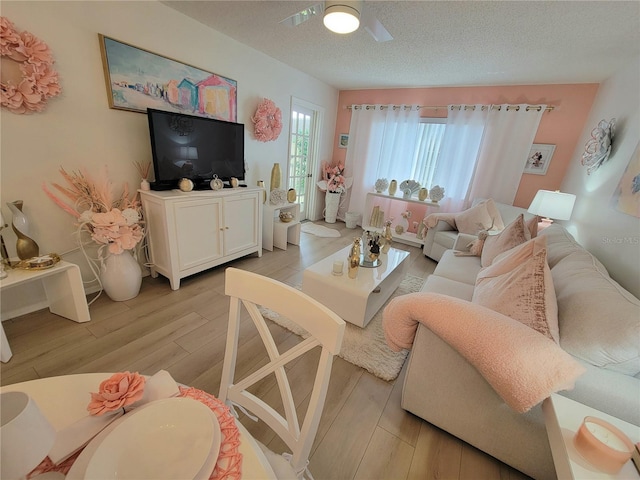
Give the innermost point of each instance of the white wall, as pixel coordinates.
(79, 130)
(613, 237)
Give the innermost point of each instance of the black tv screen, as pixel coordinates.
(186, 146)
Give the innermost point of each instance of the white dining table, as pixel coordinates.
(63, 400)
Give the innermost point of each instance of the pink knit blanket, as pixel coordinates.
(523, 366)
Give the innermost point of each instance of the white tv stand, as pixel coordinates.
(189, 232)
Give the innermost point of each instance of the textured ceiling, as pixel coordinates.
(440, 43)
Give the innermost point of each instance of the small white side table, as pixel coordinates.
(63, 287)
(563, 417)
(276, 233)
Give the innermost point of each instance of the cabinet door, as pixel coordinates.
(241, 222)
(199, 232)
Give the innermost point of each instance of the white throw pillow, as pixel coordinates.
(474, 219)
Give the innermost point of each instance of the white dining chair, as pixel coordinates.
(325, 329)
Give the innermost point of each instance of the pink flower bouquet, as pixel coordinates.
(109, 222)
(117, 229)
(116, 392)
(334, 179)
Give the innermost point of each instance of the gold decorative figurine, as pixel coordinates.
(387, 237)
(353, 261)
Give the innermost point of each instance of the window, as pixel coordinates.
(430, 134)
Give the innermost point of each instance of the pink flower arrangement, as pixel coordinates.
(267, 121)
(113, 223)
(334, 176)
(116, 392)
(406, 215)
(39, 80)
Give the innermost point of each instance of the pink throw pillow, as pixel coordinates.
(532, 226)
(513, 235)
(519, 284)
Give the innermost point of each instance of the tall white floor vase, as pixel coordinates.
(121, 276)
(331, 204)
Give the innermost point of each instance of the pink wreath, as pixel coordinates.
(39, 80)
(267, 121)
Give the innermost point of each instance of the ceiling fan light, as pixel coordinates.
(341, 18)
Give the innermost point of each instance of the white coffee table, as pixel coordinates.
(563, 417)
(355, 300)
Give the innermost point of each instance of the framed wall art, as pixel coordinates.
(137, 79)
(626, 198)
(539, 159)
(343, 140)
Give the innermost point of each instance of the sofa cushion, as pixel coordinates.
(459, 269)
(446, 286)
(478, 218)
(560, 243)
(599, 320)
(513, 234)
(519, 284)
(446, 238)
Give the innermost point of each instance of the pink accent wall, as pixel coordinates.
(562, 127)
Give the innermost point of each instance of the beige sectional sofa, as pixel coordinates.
(599, 325)
(443, 235)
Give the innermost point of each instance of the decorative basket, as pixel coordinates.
(286, 217)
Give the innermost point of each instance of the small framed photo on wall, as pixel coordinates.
(343, 140)
(539, 159)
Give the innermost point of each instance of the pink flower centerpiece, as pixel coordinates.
(115, 224)
(334, 180)
(116, 392)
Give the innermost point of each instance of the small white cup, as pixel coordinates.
(338, 265)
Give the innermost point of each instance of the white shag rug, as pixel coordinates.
(364, 347)
(319, 230)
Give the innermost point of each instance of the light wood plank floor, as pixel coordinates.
(364, 433)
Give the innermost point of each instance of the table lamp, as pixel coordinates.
(26, 436)
(552, 206)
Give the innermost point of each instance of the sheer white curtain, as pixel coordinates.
(459, 153)
(382, 142)
(503, 154)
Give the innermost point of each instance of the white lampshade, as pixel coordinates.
(555, 205)
(26, 436)
(342, 17)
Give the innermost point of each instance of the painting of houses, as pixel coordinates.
(137, 79)
(188, 92)
(217, 97)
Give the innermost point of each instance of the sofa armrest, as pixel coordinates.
(463, 241)
(444, 389)
(427, 249)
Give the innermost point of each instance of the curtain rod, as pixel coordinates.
(446, 107)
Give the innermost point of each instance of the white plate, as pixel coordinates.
(175, 438)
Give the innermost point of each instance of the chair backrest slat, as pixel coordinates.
(326, 330)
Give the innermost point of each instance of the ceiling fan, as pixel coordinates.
(342, 16)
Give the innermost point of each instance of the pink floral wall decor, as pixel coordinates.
(38, 80)
(267, 121)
